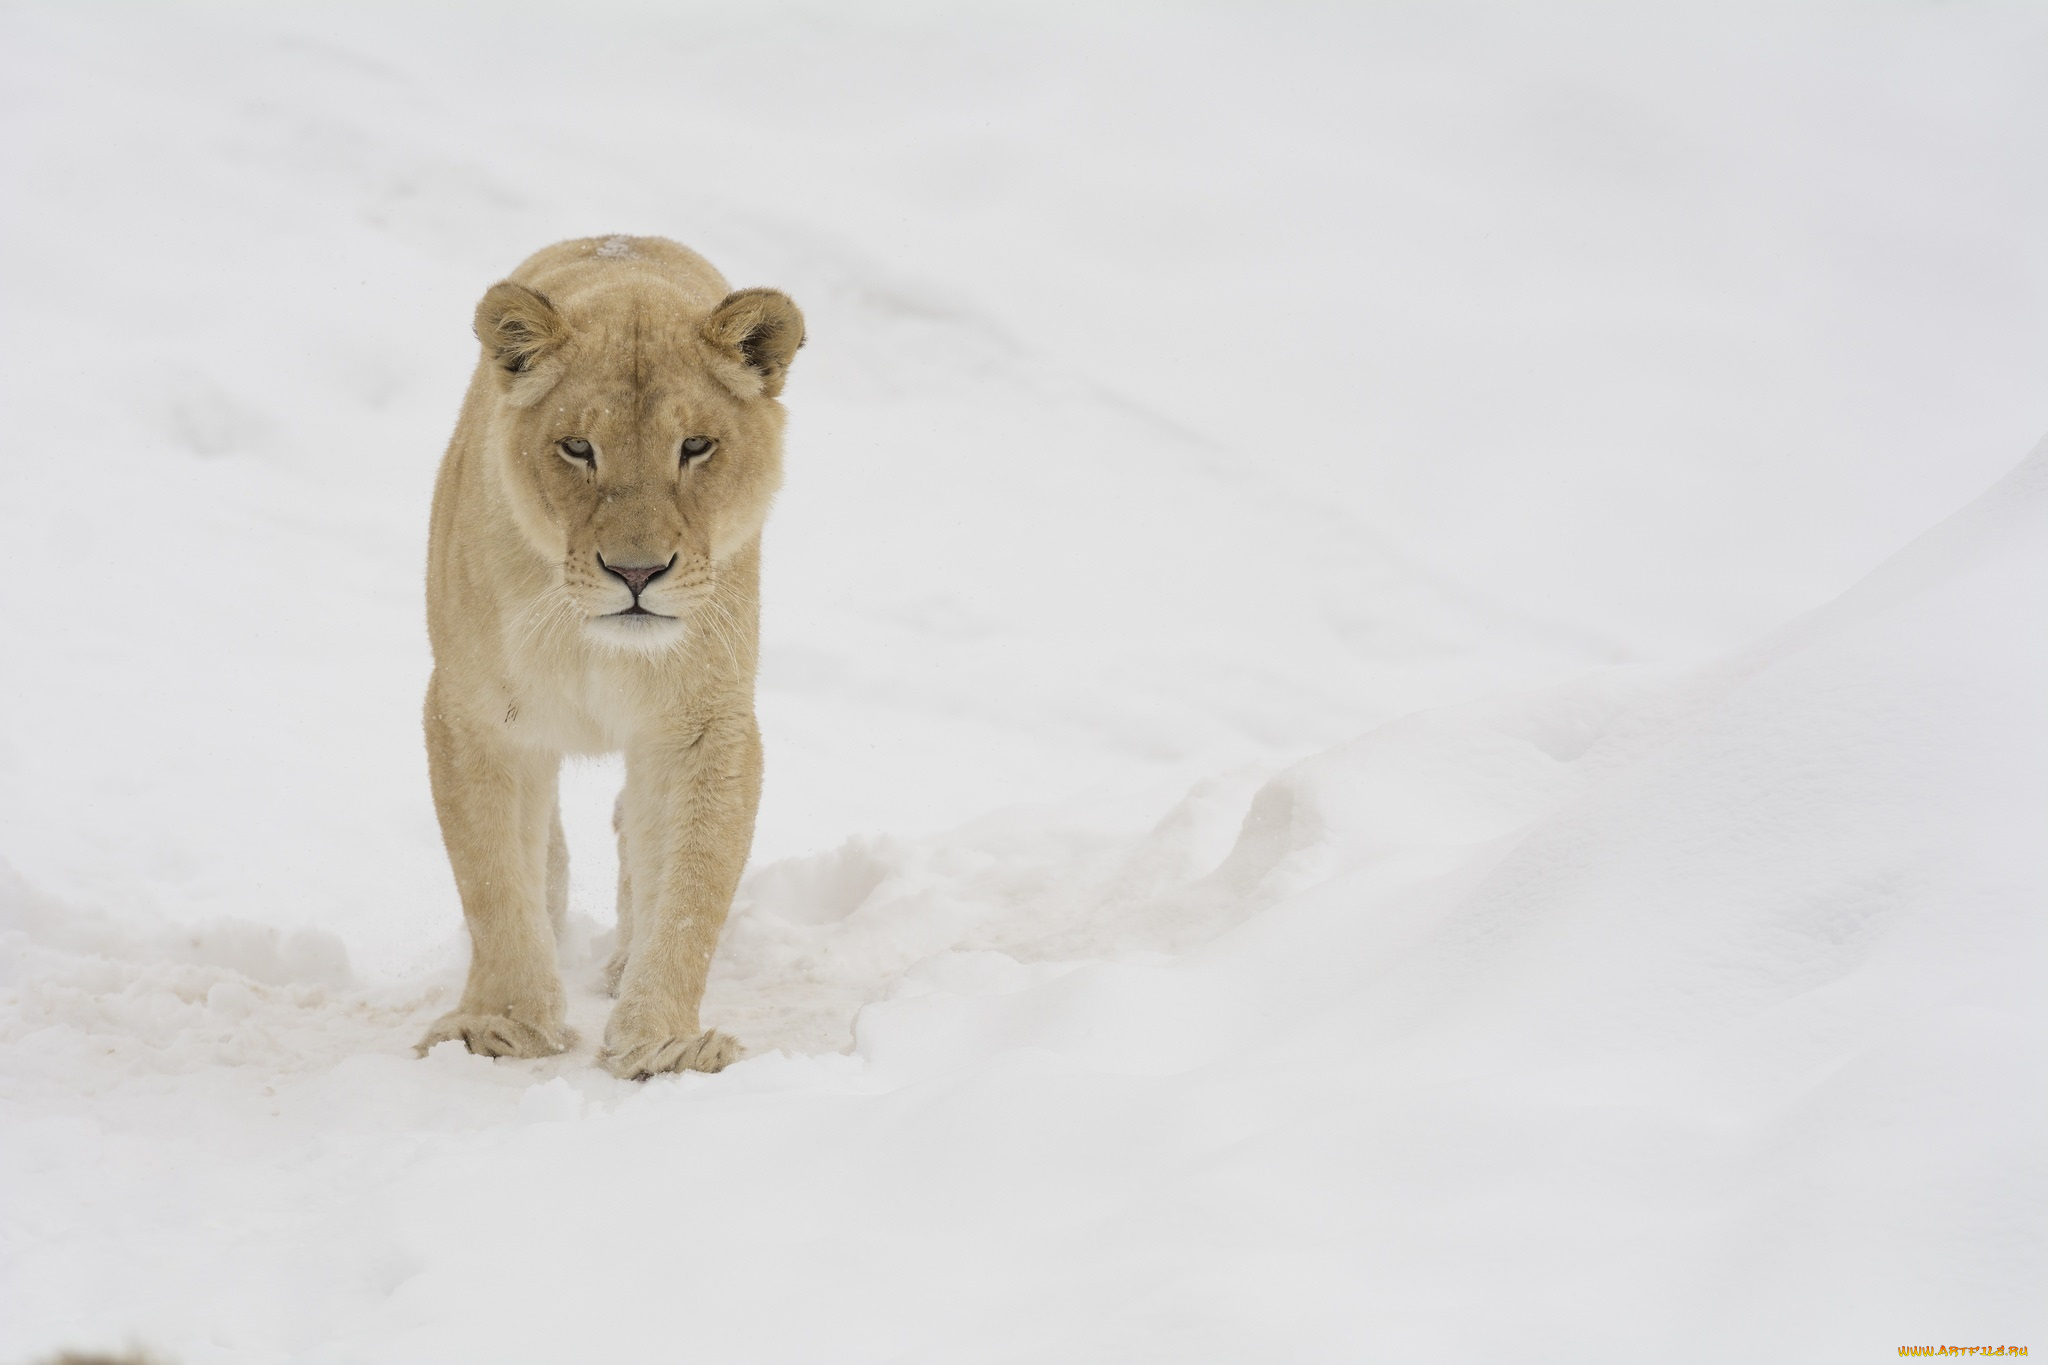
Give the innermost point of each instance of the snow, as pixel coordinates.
(1341, 782)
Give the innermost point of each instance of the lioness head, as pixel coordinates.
(638, 439)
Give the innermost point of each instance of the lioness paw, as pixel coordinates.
(636, 1061)
(497, 1035)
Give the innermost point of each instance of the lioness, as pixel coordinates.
(592, 586)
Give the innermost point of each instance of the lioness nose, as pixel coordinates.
(636, 576)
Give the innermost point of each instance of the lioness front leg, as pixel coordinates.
(688, 822)
(497, 809)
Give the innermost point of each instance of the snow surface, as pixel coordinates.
(1297, 827)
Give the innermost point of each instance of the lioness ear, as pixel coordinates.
(518, 326)
(756, 332)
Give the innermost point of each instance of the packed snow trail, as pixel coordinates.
(1253, 866)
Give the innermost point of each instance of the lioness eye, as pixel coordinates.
(696, 448)
(576, 448)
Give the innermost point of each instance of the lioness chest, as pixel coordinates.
(586, 703)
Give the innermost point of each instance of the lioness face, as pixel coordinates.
(639, 447)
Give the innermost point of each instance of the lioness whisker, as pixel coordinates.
(729, 633)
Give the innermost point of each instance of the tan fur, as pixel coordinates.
(632, 344)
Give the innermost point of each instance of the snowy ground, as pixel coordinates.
(1340, 784)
